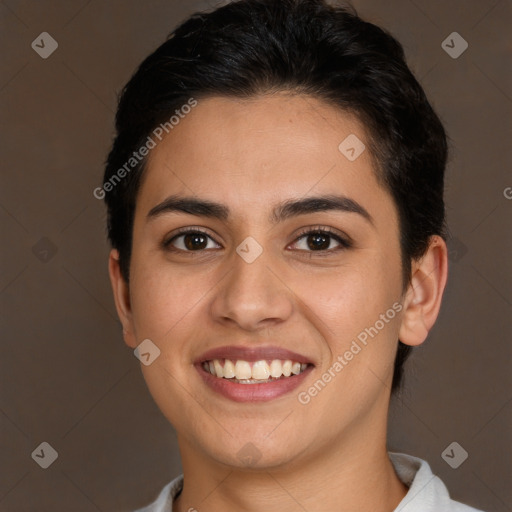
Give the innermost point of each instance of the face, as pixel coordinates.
(266, 272)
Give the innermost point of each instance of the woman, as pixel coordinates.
(275, 208)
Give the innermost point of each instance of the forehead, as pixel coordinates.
(262, 150)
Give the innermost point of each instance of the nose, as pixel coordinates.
(252, 296)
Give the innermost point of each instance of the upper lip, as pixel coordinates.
(251, 354)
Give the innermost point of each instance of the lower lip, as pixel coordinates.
(253, 392)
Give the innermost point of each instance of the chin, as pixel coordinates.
(254, 452)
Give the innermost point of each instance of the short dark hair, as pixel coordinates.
(252, 47)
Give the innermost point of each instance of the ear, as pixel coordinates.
(121, 298)
(424, 294)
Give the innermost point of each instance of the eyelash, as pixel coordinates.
(345, 243)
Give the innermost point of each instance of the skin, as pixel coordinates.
(328, 455)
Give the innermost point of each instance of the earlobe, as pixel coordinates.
(121, 293)
(425, 292)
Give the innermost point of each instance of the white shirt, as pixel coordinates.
(427, 493)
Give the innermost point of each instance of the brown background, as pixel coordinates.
(66, 376)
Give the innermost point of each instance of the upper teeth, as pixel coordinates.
(258, 370)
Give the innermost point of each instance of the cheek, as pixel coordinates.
(353, 311)
(348, 299)
(162, 297)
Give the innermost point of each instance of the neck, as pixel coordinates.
(353, 473)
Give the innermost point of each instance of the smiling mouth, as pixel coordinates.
(256, 372)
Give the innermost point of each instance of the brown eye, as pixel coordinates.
(321, 240)
(195, 241)
(318, 241)
(190, 241)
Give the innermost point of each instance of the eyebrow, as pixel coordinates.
(280, 213)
